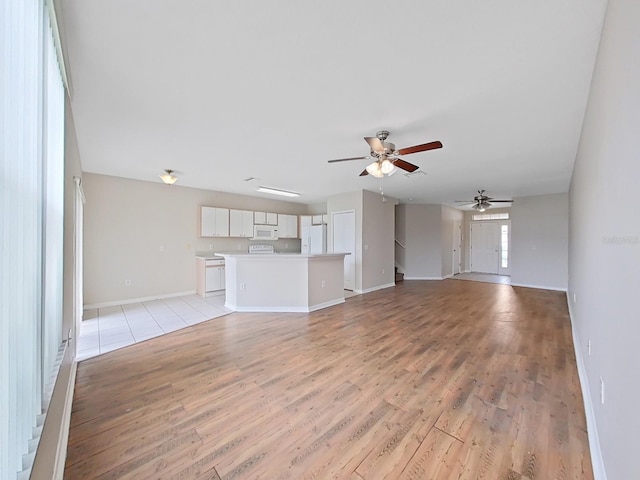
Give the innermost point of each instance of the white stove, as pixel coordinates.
(261, 249)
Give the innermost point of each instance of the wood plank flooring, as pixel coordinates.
(428, 380)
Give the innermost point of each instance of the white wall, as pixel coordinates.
(539, 241)
(147, 232)
(604, 244)
(422, 239)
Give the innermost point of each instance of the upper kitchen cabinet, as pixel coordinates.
(319, 219)
(241, 223)
(265, 218)
(214, 222)
(287, 226)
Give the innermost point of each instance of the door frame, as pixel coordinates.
(348, 259)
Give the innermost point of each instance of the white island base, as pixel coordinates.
(282, 282)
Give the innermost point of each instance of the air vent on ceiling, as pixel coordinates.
(414, 174)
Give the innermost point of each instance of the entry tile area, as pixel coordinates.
(109, 328)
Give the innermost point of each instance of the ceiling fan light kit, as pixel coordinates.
(386, 158)
(168, 177)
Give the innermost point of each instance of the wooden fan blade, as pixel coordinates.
(420, 148)
(375, 144)
(409, 167)
(346, 159)
(364, 172)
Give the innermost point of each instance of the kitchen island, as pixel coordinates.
(283, 282)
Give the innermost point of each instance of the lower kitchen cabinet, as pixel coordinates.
(211, 275)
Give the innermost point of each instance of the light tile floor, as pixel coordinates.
(109, 328)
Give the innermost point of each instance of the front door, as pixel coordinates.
(485, 247)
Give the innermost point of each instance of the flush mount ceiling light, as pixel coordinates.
(276, 191)
(168, 177)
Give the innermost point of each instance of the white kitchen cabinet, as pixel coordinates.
(318, 219)
(265, 218)
(210, 275)
(214, 222)
(287, 226)
(241, 223)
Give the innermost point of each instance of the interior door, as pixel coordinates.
(485, 247)
(343, 227)
(457, 247)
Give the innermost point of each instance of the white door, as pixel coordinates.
(343, 227)
(457, 247)
(485, 247)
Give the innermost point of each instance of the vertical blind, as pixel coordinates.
(31, 224)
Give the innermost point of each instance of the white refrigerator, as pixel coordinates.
(314, 239)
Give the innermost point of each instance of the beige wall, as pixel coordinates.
(422, 240)
(540, 241)
(378, 229)
(604, 247)
(147, 232)
(449, 217)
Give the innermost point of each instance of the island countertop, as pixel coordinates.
(280, 255)
(283, 282)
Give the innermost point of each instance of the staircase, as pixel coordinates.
(399, 276)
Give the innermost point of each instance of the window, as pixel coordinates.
(504, 246)
(491, 216)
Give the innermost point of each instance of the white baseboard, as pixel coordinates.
(447, 276)
(138, 300)
(540, 287)
(63, 440)
(271, 309)
(373, 289)
(597, 461)
(422, 278)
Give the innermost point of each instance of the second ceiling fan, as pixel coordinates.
(481, 201)
(386, 157)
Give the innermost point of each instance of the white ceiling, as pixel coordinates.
(224, 90)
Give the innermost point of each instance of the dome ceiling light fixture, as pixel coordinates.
(168, 177)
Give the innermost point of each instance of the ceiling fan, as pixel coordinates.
(481, 202)
(386, 157)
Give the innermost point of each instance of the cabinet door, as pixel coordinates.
(272, 218)
(214, 222)
(207, 221)
(260, 218)
(316, 219)
(213, 279)
(222, 222)
(240, 223)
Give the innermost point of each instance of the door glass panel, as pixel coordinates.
(504, 246)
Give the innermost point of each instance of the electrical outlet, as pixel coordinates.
(324, 284)
(601, 391)
(239, 246)
(383, 271)
(161, 248)
(127, 283)
(243, 286)
(589, 347)
(211, 246)
(575, 298)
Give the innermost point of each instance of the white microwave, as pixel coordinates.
(265, 232)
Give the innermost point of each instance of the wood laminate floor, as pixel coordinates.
(427, 380)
